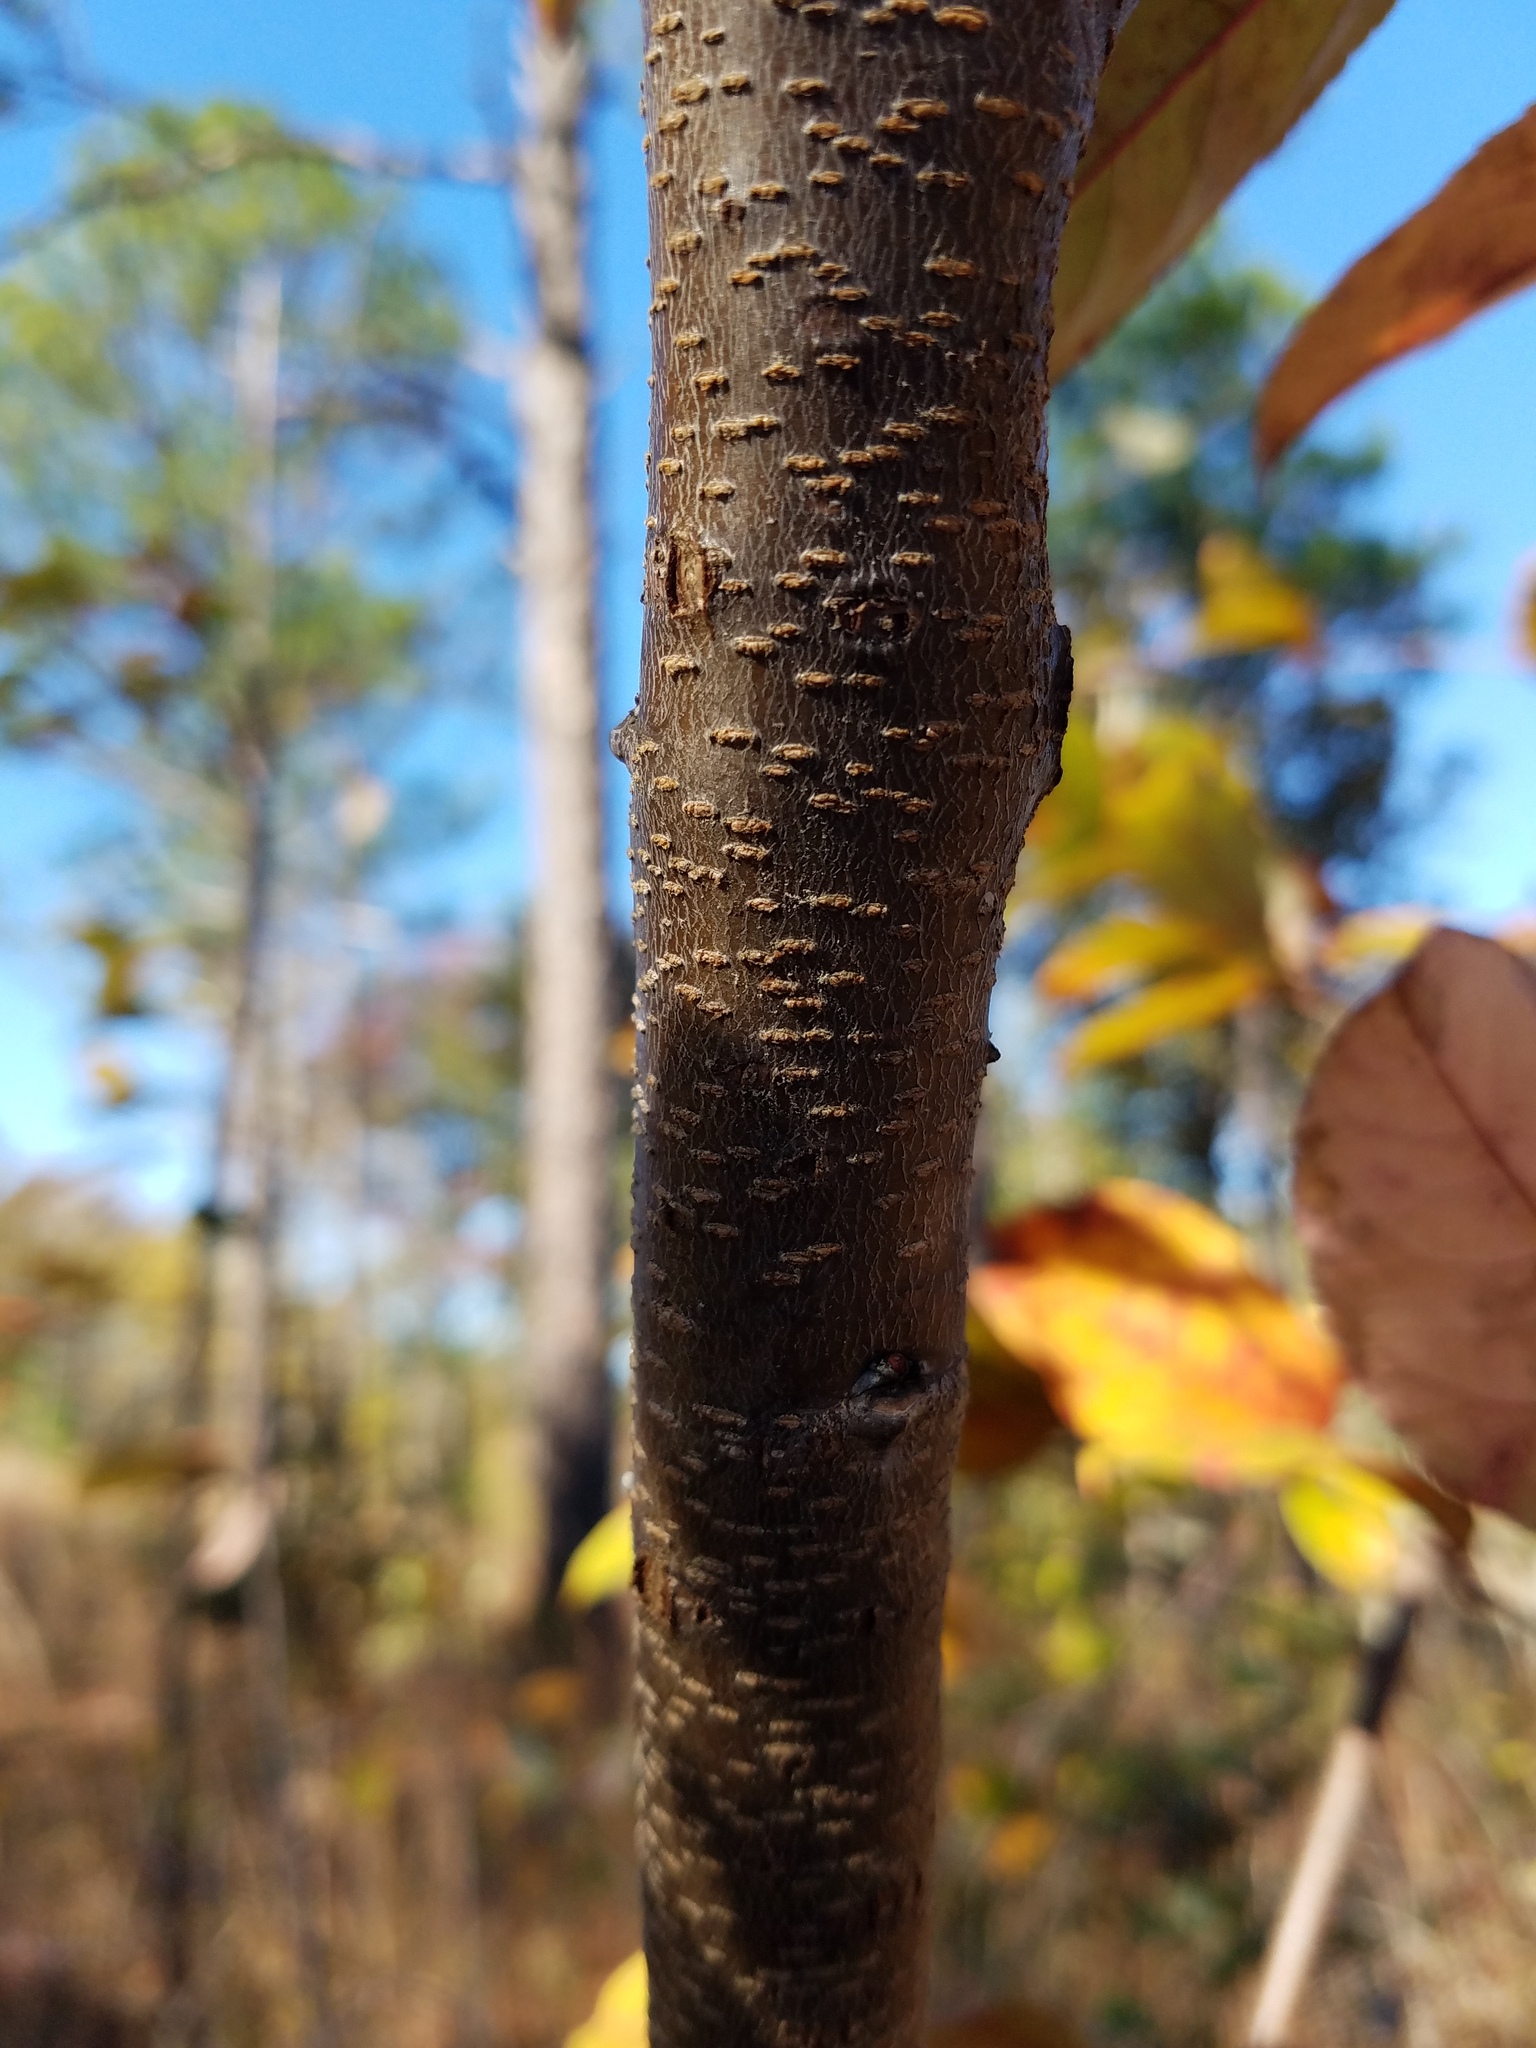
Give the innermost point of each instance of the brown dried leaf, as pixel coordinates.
(1472, 245)
(1007, 2026)
(1008, 1414)
(1416, 1199)
(1196, 92)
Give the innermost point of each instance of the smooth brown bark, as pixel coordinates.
(852, 700)
(569, 1087)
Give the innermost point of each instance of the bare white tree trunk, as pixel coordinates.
(566, 1010)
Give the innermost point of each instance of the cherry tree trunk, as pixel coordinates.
(852, 700)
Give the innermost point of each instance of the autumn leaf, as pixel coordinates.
(1525, 617)
(1196, 92)
(1171, 816)
(1018, 1845)
(1097, 960)
(1131, 1227)
(1140, 1312)
(1007, 2026)
(1374, 938)
(1157, 1341)
(159, 1461)
(619, 2017)
(1350, 1525)
(1473, 244)
(119, 955)
(1177, 1003)
(1416, 1199)
(113, 1081)
(1246, 604)
(558, 17)
(1008, 1414)
(600, 1566)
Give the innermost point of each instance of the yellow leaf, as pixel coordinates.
(1180, 1002)
(1095, 961)
(619, 2018)
(1473, 244)
(1192, 830)
(1169, 814)
(972, 1791)
(1222, 1387)
(1070, 848)
(1375, 938)
(1246, 605)
(120, 955)
(603, 1562)
(1349, 1525)
(1018, 1846)
(116, 1084)
(1515, 1762)
(1195, 93)
(1075, 1648)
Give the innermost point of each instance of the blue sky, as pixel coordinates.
(1428, 87)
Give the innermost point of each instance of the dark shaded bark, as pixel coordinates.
(852, 700)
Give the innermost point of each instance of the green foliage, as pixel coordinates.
(132, 476)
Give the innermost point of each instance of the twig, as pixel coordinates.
(1330, 1836)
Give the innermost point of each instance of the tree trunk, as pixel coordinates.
(225, 1375)
(569, 1092)
(852, 700)
(227, 1319)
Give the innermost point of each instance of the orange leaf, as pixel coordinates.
(1131, 1227)
(1472, 245)
(1157, 1342)
(1416, 1198)
(1008, 1414)
(1018, 1845)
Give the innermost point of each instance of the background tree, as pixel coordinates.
(568, 986)
(188, 381)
